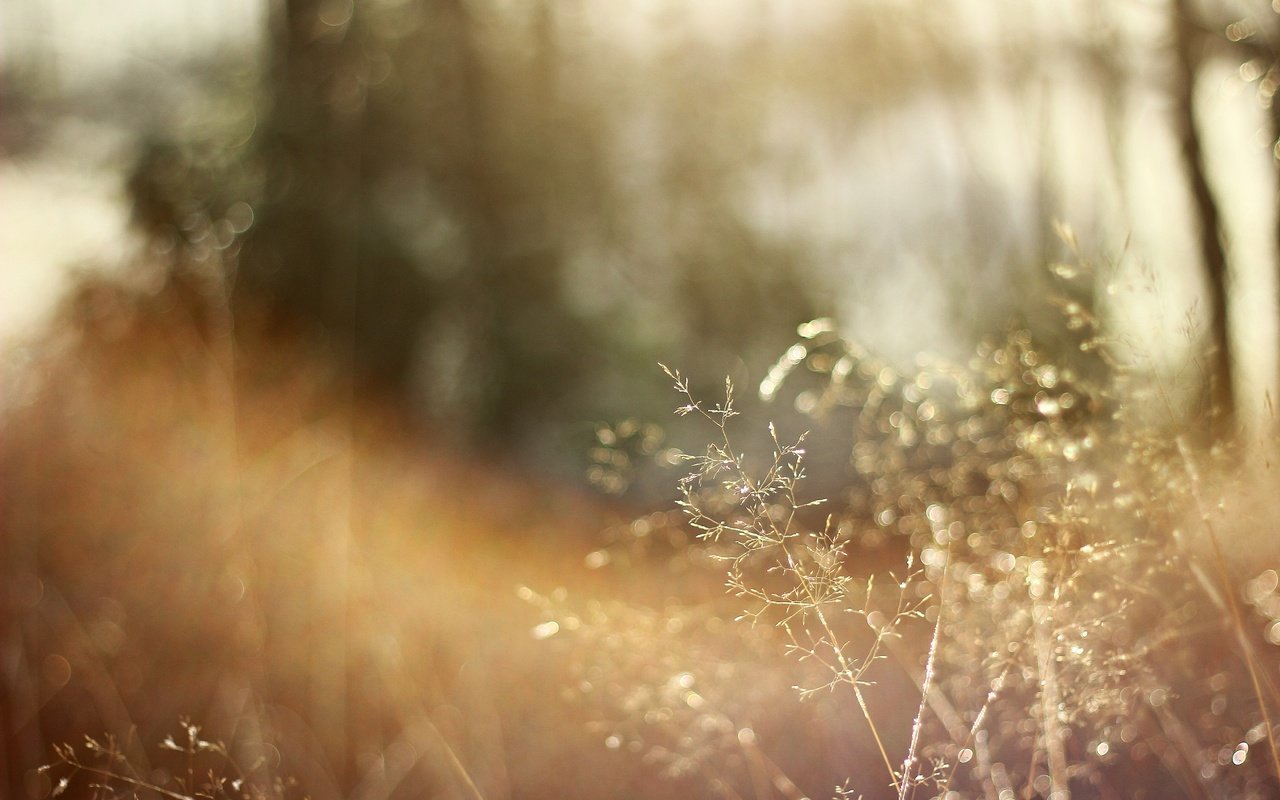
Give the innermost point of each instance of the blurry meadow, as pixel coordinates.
(639, 399)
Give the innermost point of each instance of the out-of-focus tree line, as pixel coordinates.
(437, 190)
(505, 214)
(496, 217)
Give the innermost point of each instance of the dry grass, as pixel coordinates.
(303, 575)
(1067, 616)
(1020, 584)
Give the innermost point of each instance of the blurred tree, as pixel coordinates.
(318, 254)
(425, 174)
(1188, 56)
(1251, 39)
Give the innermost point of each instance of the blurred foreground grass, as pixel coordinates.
(225, 533)
(307, 581)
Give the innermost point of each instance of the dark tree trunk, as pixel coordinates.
(1274, 108)
(1188, 49)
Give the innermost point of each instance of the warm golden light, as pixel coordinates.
(337, 458)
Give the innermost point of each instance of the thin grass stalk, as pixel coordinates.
(972, 737)
(780, 534)
(908, 763)
(1237, 619)
(142, 785)
(777, 778)
(1050, 700)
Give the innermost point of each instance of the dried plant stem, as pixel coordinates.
(1237, 619)
(1187, 770)
(1029, 788)
(766, 774)
(779, 534)
(134, 782)
(759, 781)
(1049, 702)
(972, 737)
(875, 734)
(938, 702)
(995, 783)
(908, 763)
(854, 677)
(459, 771)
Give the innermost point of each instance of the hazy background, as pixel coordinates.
(324, 323)
(542, 199)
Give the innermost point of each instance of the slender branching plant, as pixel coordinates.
(1067, 614)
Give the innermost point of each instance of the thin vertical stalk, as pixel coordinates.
(1050, 700)
(1233, 606)
(908, 763)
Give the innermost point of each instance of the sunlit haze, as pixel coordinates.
(581, 399)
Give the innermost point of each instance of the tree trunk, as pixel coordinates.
(1187, 47)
